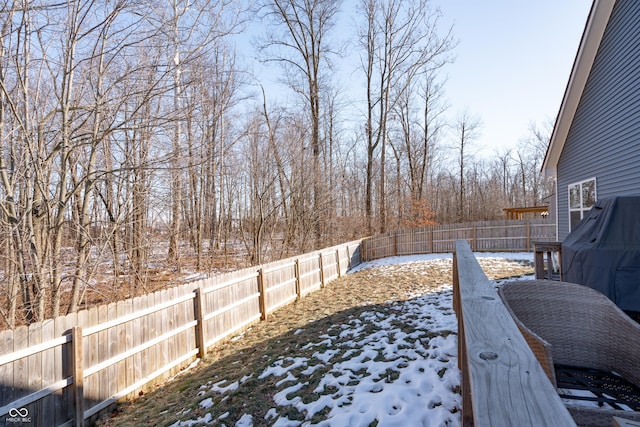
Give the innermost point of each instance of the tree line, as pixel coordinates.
(138, 136)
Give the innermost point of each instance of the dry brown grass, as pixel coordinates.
(285, 332)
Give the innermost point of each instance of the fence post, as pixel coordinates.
(198, 308)
(431, 239)
(321, 271)
(78, 375)
(298, 285)
(528, 236)
(262, 297)
(475, 238)
(349, 257)
(395, 243)
(338, 262)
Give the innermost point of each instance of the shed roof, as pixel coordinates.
(517, 213)
(589, 44)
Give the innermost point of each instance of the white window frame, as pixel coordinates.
(583, 208)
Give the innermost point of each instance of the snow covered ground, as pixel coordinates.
(498, 256)
(397, 368)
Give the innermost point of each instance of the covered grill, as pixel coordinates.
(603, 251)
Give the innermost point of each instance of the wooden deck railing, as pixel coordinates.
(502, 382)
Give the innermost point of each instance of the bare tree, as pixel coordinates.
(209, 100)
(502, 169)
(99, 125)
(530, 154)
(420, 124)
(189, 30)
(299, 43)
(401, 40)
(13, 159)
(467, 129)
(272, 122)
(62, 112)
(125, 125)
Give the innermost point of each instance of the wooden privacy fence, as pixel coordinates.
(502, 382)
(64, 371)
(488, 236)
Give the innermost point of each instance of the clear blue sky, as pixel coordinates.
(513, 61)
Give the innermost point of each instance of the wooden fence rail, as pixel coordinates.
(502, 382)
(488, 236)
(64, 371)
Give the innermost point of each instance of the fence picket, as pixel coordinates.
(71, 320)
(138, 338)
(48, 368)
(61, 414)
(128, 344)
(110, 374)
(492, 236)
(21, 367)
(6, 385)
(78, 376)
(34, 381)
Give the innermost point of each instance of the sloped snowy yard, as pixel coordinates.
(396, 368)
(390, 361)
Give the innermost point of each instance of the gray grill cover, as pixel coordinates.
(603, 251)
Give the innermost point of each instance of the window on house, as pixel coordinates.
(582, 195)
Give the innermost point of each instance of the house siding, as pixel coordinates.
(604, 137)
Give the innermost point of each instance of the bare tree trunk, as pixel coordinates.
(467, 128)
(401, 41)
(306, 23)
(84, 200)
(173, 254)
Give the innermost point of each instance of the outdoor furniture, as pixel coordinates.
(548, 260)
(570, 327)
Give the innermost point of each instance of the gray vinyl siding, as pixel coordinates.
(604, 138)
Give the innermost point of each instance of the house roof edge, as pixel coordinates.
(587, 50)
